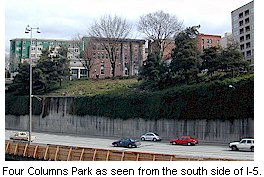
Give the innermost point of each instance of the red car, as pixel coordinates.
(185, 140)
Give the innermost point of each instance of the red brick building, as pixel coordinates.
(129, 54)
(207, 40)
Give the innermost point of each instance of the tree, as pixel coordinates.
(210, 59)
(185, 55)
(159, 27)
(231, 59)
(109, 32)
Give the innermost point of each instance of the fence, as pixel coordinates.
(69, 153)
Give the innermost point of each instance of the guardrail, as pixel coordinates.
(69, 153)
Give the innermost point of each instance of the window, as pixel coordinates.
(247, 28)
(248, 45)
(242, 47)
(241, 15)
(102, 68)
(241, 23)
(246, 20)
(248, 53)
(246, 12)
(209, 41)
(241, 38)
(83, 72)
(241, 31)
(247, 36)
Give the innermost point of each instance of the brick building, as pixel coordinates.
(205, 41)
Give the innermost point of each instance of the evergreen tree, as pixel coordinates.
(185, 55)
(210, 59)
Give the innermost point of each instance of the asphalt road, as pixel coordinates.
(162, 147)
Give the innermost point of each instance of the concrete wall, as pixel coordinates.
(59, 120)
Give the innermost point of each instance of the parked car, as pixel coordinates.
(243, 144)
(126, 142)
(22, 136)
(185, 140)
(150, 136)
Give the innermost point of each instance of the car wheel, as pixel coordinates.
(234, 148)
(143, 139)
(174, 143)
(189, 144)
(154, 139)
(115, 145)
(252, 149)
(130, 145)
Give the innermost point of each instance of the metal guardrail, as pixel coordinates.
(69, 153)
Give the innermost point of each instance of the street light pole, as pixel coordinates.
(29, 29)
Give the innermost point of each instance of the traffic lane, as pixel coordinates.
(146, 146)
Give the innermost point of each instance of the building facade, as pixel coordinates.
(205, 41)
(243, 29)
(21, 50)
(226, 40)
(130, 55)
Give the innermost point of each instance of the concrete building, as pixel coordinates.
(21, 50)
(243, 29)
(226, 40)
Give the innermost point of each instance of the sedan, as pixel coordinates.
(185, 140)
(126, 142)
(150, 136)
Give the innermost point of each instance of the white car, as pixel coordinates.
(244, 144)
(21, 136)
(150, 136)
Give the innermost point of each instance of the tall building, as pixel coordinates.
(243, 29)
(21, 50)
(207, 40)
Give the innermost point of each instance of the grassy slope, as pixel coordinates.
(93, 87)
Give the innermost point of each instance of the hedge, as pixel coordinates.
(212, 100)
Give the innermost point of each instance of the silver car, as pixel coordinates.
(150, 136)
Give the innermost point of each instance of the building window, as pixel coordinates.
(246, 20)
(247, 28)
(242, 47)
(241, 38)
(241, 15)
(246, 12)
(248, 53)
(241, 23)
(83, 72)
(241, 31)
(102, 68)
(248, 45)
(247, 36)
(209, 41)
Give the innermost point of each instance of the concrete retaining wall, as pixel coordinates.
(59, 120)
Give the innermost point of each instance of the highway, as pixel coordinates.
(162, 147)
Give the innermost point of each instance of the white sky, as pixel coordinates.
(63, 19)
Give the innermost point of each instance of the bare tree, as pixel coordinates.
(160, 28)
(109, 32)
(85, 57)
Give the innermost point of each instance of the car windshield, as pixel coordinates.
(156, 134)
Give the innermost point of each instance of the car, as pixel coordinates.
(126, 142)
(184, 140)
(22, 136)
(243, 144)
(150, 136)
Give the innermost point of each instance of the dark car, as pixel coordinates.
(185, 140)
(126, 142)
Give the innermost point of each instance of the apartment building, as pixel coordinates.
(205, 41)
(226, 40)
(129, 56)
(21, 50)
(243, 29)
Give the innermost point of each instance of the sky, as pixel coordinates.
(64, 19)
